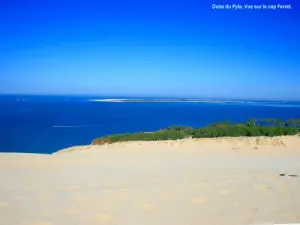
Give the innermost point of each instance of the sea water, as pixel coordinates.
(45, 124)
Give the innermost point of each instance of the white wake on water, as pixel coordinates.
(78, 126)
(109, 100)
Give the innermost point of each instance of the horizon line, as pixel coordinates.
(146, 96)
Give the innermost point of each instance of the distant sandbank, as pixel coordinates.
(167, 100)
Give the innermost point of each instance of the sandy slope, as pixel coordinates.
(207, 181)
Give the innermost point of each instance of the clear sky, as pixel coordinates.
(149, 47)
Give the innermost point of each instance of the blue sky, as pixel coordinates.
(149, 48)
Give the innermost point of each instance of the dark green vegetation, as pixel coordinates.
(251, 128)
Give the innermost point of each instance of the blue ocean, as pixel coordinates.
(46, 124)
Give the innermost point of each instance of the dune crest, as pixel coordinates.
(280, 141)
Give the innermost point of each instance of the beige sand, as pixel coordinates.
(208, 181)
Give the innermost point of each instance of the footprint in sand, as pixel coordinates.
(91, 185)
(107, 191)
(196, 186)
(73, 188)
(165, 186)
(123, 190)
(248, 178)
(292, 216)
(109, 185)
(154, 190)
(222, 182)
(167, 197)
(48, 214)
(3, 204)
(120, 197)
(20, 198)
(70, 212)
(238, 176)
(147, 207)
(102, 218)
(198, 200)
(100, 206)
(7, 189)
(261, 187)
(46, 196)
(224, 192)
(79, 198)
(42, 223)
(123, 183)
(186, 179)
(155, 181)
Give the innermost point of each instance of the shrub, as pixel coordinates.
(221, 129)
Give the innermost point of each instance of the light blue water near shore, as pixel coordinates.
(45, 124)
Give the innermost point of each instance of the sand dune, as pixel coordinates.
(205, 144)
(206, 181)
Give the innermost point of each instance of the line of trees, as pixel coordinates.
(251, 128)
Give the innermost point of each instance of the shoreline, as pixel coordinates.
(278, 140)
